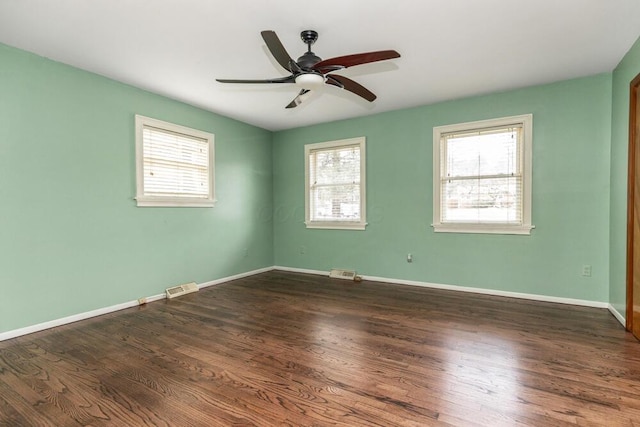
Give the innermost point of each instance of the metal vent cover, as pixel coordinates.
(184, 289)
(342, 274)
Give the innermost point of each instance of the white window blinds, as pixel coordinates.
(175, 165)
(482, 177)
(335, 179)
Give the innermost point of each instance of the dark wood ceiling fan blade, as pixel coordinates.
(298, 99)
(346, 61)
(289, 79)
(348, 84)
(277, 50)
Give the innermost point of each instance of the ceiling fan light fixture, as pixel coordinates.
(310, 80)
(310, 72)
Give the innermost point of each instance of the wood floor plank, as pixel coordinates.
(289, 349)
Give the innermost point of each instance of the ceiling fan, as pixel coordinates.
(310, 71)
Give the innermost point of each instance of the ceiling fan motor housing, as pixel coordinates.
(308, 60)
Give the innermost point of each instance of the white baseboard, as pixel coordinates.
(82, 316)
(237, 276)
(93, 313)
(301, 270)
(65, 320)
(494, 292)
(617, 315)
(534, 297)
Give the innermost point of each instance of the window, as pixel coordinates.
(174, 165)
(335, 184)
(482, 176)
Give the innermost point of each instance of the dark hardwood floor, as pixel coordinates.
(285, 349)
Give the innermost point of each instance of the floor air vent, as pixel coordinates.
(342, 274)
(177, 291)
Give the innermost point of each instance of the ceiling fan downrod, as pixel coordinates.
(309, 37)
(309, 59)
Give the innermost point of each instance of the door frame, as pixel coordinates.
(631, 182)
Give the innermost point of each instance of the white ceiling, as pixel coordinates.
(450, 48)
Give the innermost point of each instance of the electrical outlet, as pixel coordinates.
(586, 270)
(246, 252)
(409, 258)
(303, 250)
(142, 301)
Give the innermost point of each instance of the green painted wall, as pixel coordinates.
(572, 127)
(71, 238)
(626, 71)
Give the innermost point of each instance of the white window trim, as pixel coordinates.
(527, 122)
(155, 201)
(337, 225)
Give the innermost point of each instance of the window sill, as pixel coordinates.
(483, 229)
(149, 202)
(336, 225)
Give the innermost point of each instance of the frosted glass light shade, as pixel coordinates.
(310, 81)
